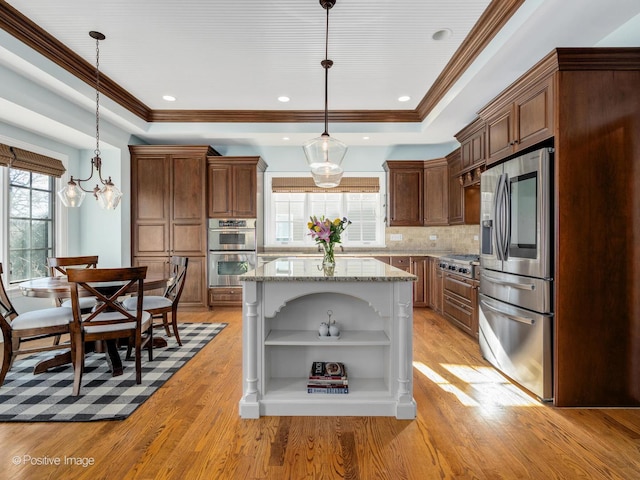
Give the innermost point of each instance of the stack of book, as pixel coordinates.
(328, 377)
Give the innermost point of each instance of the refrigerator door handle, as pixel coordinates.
(521, 286)
(506, 213)
(497, 215)
(517, 318)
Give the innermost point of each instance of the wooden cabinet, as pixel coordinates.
(405, 184)
(519, 118)
(436, 197)
(472, 145)
(456, 194)
(420, 268)
(460, 302)
(225, 296)
(234, 186)
(168, 215)
(435, 284)
(417, 192)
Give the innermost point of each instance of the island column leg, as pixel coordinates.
(406, 405)
(249, 404)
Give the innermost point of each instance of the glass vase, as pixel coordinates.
(329, 259)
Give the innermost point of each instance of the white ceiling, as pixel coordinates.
(243, 55)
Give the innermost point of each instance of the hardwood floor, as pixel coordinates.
(471, 423)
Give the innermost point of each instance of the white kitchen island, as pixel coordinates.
(284, 303)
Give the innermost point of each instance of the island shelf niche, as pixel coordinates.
(371, 302)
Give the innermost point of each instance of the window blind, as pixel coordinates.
(306, 185)
(29, 161)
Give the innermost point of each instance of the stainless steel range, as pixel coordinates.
(465, 265)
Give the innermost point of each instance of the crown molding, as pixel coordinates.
(492, 20)
(496, 15)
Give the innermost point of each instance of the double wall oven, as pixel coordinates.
(232, 250)
(516, 284)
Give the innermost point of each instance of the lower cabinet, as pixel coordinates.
(420, 268)
(427, 290)
(225, 296)
(435, 285)
(460, 303)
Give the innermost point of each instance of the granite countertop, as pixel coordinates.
(354, 253)
(295, 269)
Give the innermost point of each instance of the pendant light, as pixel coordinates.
(108, 196)
(325, 153)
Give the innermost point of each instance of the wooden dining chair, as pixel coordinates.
(18, 329)
(59, 266)
(160, 306)
(109, 320)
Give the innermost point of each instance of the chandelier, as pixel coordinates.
(108, 196)
(324, 153)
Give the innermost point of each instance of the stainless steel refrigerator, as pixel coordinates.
(516, 260)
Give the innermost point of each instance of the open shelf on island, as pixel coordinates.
(310, 337)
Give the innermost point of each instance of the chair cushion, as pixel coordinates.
(89, 328)
(47, 317)
(150, 302)
(85, 302)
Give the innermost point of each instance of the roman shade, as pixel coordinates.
(29, 161)
(307, 185)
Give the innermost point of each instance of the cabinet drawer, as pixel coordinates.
(457, 286)
(458, 311)
(225, 296)
(403, 263)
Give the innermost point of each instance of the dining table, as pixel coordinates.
(58, 286)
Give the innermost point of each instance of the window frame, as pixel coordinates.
(61, 215)
(269, 220)
(50, 219)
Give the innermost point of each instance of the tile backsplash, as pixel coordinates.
(456, 238)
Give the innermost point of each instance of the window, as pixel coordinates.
(31, 224)
(286, 218)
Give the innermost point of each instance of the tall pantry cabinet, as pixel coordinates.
(168, 212)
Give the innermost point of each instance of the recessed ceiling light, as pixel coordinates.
(404, 98)
(283, 99)
(365, 138)
(169, 98)
(442, 34)
(285, 138)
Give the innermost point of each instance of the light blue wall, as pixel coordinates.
(357, 159)
(91, 230)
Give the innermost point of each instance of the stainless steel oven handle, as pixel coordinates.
(527, 286)
(517, 318)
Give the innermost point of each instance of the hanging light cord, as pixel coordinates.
(326, 64)
(96, 161)
(97, 150)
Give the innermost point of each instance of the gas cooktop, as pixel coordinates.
(466, 265)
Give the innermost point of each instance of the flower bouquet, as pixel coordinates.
(327, 233)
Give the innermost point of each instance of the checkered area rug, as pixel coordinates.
(46, 397)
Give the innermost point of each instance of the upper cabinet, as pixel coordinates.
(417, 192)
(405, 184)
(168, 199)
(234, 185)
(519, 118)
(456, 195)
(472, 145)
(436, 196)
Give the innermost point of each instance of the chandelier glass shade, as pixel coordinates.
(325, 153)
(108, 196)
